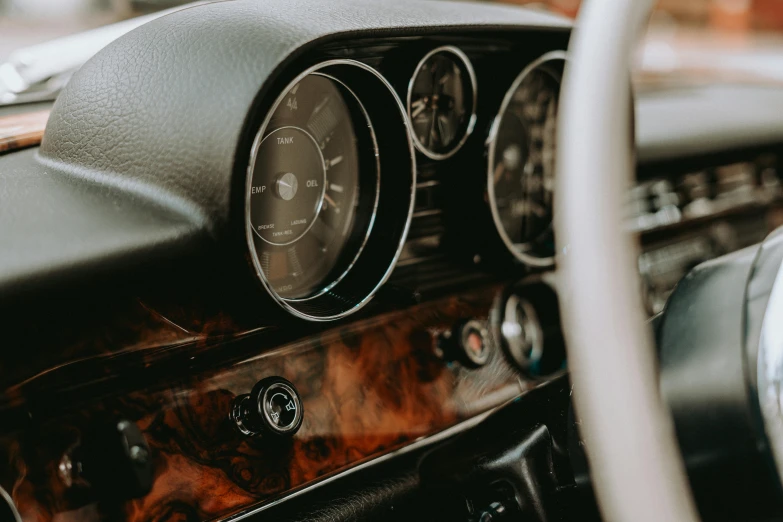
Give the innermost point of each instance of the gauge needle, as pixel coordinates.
(433, 136)
(329, 200)
(419, 106)
(528, 224)
(443, 130)
(499, 171)
(320, 106)
(537, 209)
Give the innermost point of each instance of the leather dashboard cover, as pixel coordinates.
(158, 125)
(163, 109)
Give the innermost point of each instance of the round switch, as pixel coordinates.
(473, 341)
(521, 333)
(526, 320)
(467, 342)
(273, 407)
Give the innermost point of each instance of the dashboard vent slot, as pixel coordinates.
(669, 202)
(687, 218)
(423, 265)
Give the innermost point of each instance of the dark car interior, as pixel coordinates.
(303, 261)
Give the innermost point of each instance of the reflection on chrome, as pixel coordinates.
(770, 370)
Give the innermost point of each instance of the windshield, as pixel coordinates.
(28, 22)
(684, 39)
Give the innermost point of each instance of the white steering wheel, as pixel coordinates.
(636, 467)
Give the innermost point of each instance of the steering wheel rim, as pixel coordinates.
(636, 468)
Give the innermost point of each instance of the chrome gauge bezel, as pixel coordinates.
(10, 505)
(462, 57)
(524, 257)
(350, 291)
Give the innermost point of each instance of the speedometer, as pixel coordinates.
(521, 161)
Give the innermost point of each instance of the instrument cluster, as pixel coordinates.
(339, 167)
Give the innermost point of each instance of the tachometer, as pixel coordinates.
(521, 161)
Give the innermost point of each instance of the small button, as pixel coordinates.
(526, 321)
(473, 342)
(467, 342)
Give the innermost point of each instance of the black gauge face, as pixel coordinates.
(521, 173)
(306, 188)
(441, 102)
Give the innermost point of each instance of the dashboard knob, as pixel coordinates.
(526, 319)
(273, 407)
(467, 342)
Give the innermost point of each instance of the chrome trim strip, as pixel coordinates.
(530, 260)
(427, 212)
(430, 183)
(769, 371)
(11, 504)
(471, 123)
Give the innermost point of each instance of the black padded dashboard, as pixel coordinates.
(168, 105)
(145, 152)
(158, 124)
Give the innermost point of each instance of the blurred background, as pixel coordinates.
(689, 40)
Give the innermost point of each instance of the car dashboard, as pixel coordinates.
(262, 246)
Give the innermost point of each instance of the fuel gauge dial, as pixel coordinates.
(285, 208)
(305, 188)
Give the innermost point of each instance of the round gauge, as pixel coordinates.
(306, 187)
(442, 102)
(323, 232)
(521, 161)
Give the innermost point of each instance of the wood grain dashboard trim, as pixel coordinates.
(369, 389)
(22, 130)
